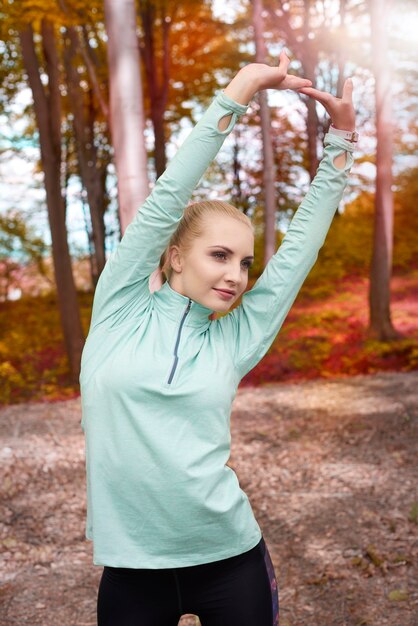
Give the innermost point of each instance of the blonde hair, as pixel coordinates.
(191, 226)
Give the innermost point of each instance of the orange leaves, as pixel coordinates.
(33, 363)
(320, 338)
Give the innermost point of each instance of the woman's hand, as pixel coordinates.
(256, 76)
(272, 77)
(340, 110)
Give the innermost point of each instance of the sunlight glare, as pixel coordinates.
(404, 25)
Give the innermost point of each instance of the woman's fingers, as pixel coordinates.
(283, 62)
(322, 96)
(294, 82)
(276, 77)
(348, 90)
(283, 58)
(340, 110)
(304, 83)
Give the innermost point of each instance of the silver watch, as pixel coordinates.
(350, 135)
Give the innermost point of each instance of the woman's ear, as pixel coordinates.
(175, 258)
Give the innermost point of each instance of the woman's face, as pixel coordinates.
(218, 259)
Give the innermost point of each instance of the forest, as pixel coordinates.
(95, 100)
(356, 312)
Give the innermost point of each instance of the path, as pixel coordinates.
(330, 468)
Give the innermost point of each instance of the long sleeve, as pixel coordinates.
(122, 291)
(254, 324)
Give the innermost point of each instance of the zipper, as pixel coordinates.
(176, 358)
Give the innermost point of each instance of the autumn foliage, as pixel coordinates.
(324, 335)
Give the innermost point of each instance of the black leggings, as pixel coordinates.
(238, 591)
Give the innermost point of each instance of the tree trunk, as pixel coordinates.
(157, 117)
(306, 52)
(311, 120)
(381, 265)
(91, 174)
(309, 58)
(126, 108)
(48, 116)
(158, 92)
(91, 61)
(340, 53)
(269, 175)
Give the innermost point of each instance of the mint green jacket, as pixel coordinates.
(158, 377)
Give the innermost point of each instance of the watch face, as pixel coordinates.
(354, 136)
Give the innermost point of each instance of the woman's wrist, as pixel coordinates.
(349, 135)
(345, 127)
(243, 86)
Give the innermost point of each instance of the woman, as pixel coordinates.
(170, 524)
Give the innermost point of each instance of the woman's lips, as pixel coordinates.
(224, 294)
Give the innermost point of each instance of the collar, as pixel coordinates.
(173, 304)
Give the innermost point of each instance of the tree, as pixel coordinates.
(381, 265)
(92, 170)
(154, 17)
(18, 244)
(306, 49)
(47, 106)
(126, 108)
(269, 175)
(183, 48)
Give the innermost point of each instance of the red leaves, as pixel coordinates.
(329, 337)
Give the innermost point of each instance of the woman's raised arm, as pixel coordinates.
(123, 287)
(122, 290)
(253, 325)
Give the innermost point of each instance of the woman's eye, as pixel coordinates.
(222, 255)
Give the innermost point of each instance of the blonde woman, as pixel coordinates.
(170, 525)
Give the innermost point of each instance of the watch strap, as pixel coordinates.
(350, 135)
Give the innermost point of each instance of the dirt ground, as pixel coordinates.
(330, 468)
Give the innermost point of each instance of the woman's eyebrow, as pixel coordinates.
(231, 251)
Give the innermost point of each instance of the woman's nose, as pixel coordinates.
(233, 273)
